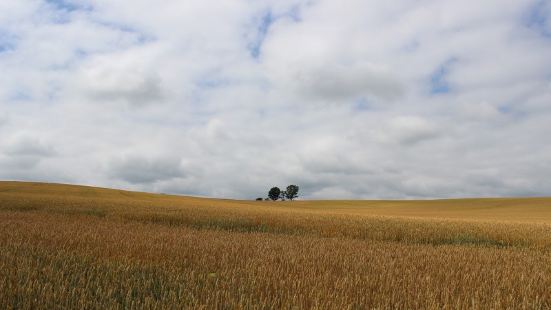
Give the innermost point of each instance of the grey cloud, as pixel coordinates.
(19, 163)
(406, 130)
(139, 170)
(338, 82)
(23, 155)
(329, 164)
(147, 90)
(479, 111)
(136, 90)
(29, 147)
(324, 156)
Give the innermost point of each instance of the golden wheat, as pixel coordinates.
(81, 247)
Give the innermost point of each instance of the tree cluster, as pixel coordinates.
(290, 193)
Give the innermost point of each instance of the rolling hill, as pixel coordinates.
(77, 246)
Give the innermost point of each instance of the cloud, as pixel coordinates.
(424, 99)
(482, 111)
(27, 146)
(410, 130)
(22, 157)
(120, 78)
(138, 170)
(339, 82)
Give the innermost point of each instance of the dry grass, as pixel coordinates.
(81, 247)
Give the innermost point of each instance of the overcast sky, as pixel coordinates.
(226, 98)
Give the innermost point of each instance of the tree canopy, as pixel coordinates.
(274, 193)
(291, 192)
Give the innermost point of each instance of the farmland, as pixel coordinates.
(83, 247)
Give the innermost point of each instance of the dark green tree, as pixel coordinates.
(274, 193)
(291, 192)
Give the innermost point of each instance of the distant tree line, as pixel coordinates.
(290, 193)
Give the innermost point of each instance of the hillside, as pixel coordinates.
(78, 246)
(76, 199)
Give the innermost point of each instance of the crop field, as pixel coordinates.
(81, 247)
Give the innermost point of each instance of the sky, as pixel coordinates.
(355, 99)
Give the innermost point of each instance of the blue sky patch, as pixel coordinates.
(141, 37)
(63, 9)
(294, 14)
(512, 111)
(4, 47)
(67, 5)
(538, 19)
(262, 30)
(7, 43)
(20, 95)
(361, 104)
(212, 82)
(263, 27)
(439, 78)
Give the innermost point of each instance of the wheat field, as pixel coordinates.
(64, 246)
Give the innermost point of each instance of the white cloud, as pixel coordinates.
(479, 111)
(340, 99)
(116, 78)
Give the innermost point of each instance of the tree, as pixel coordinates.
(259, 199)
(291, 192)
(282, 195)
(274, 193)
